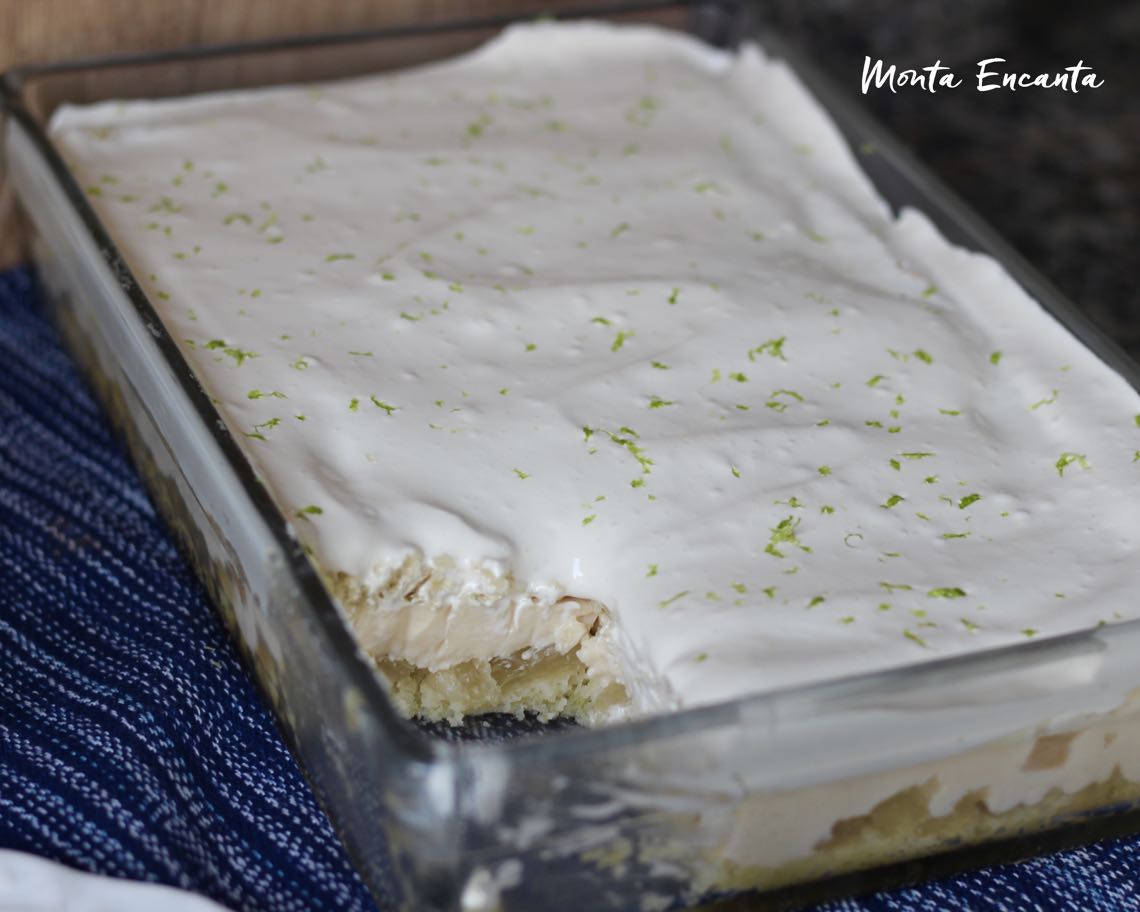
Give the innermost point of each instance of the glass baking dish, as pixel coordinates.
(964, 759)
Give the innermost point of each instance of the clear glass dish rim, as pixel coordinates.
(417, 745)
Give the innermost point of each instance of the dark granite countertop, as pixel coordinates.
(1058, 174)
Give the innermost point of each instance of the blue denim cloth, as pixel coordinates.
(132, 742)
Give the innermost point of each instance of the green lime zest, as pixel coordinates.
(967, 500)
(626, 442)
(521, 474)
(310, 510)
(240, 355)
(1067, 459)
(641, 115)
(380, 404)
(892, 501)
(620, 339)
(773, 347)
(923, 356)
(949, 592)
(1040, 402)
(476, 128)
(167, 205)
(775, 399)
(665, 603)
(784, 533)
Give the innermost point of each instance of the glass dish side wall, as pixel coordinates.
(816, 782)
(298, 657)
(665, 808)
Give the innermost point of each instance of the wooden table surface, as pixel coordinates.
(40, 31)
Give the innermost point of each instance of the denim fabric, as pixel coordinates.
(132, 742)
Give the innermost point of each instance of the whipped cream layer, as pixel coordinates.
(613, 315)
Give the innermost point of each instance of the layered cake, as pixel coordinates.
(598, 380)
